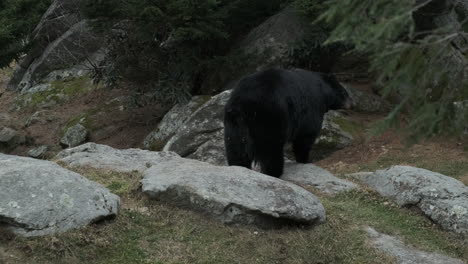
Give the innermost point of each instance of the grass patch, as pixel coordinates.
(153, 232)
(449, 167)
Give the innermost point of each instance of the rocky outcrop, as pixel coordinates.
(201, 135)
(441, 198)
(233, 195)
(202, 129)
(171, 123)
(404, 254)
(310, 175)
(39, 198)
(63, 46)
(105, 157)
(265, 46)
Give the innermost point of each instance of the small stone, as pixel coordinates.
(74, 136)
(39, 152)
(7, 134)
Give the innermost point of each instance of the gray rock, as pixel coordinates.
(205, 125)
(40, 198)
(405, 254)
(212, 151)
(232, 195)
(74, 136)
(333, 135)
(318, 178)
(7, 135)
(105, 157)
(443, 199)
(63, 45)
(38, 152)
(171, 122)
(10, 138)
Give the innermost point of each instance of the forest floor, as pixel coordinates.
(152, 232)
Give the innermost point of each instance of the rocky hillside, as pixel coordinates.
(90, 174)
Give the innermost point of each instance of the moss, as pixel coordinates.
(349, 126)
(157, 145)
(58, 92)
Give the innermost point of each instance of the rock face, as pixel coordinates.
(104, 157)
(404, 254)
(171, 122)
(318, 178)
(63, 45)
(201, 135)
(443, 199)
(74, 136)
(265, 46)
(39, 198)
(233, 195)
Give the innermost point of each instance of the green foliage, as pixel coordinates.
(423, 64)
(170, 46)
(18, 18)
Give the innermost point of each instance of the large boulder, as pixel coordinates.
(171, 123)
(105, 157)
(201, 135)
(443, 199)
(39, 198)
(63, 46)
(233, 195)
(202, 129)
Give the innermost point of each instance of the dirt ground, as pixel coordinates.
(125, 128)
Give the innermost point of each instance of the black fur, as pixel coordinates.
(272, 107)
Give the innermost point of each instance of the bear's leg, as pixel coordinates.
(235, 140)
(271, 160)
(302, 145)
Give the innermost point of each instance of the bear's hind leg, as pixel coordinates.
(302, 146)
(271, 160)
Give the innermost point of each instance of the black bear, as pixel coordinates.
(275, 106)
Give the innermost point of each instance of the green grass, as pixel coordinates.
(153, 232)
